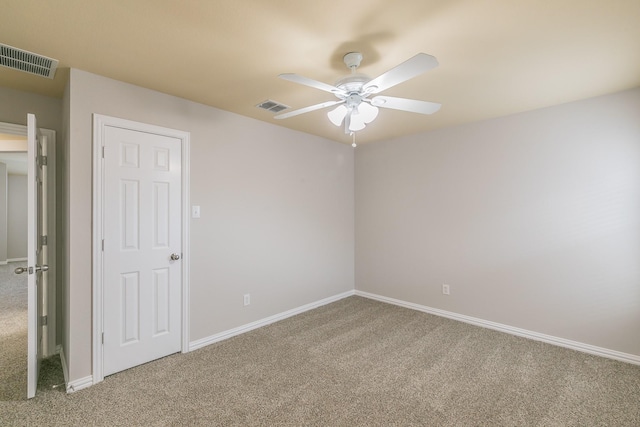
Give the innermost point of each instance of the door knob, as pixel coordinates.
(175, 257)
(21, 270)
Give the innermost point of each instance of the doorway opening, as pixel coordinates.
(15, 311)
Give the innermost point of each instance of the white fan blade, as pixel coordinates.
(307, 109)
(404, 104)
(401, 73)
(311, 83)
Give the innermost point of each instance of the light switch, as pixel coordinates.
(195, 211)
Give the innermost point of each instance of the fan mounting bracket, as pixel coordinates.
(352, 59)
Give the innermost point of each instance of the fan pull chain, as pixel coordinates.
(353, 136)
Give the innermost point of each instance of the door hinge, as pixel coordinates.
(44, 320)
(102, 245)
(103, 151)
(103, 338)
(43, 160)
(43, 240)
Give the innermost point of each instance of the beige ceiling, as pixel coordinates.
(496, 57)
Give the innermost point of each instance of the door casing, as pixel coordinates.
(99, 123)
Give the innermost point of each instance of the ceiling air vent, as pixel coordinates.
(28, 62)
(274, 107)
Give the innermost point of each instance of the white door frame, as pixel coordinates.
(99, 124)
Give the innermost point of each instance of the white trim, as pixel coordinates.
(549, 339)
(4, 262)
(186, 240)
(73, 386)
(63, 362)
(96, 233)
(17, 259)
(99, 124)
(79, 384)
(203, 342)
(52, 236)
(13, 129)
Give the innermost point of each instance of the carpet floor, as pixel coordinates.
(352, 362)
(13, 333)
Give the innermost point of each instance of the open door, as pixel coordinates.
(37, 252)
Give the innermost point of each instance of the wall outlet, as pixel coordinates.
(445, 289)
(247, 299)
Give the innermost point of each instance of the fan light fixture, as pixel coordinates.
(354, 107)
(359, 115)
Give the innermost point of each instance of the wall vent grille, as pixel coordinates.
(28, 62)
(273, 106)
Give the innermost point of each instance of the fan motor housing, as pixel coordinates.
(353, 82)
(353, 100)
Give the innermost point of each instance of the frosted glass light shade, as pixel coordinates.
(357, 123)
(337, 115)
(368, 112)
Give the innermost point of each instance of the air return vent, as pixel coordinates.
(274, 107)
(28, 62)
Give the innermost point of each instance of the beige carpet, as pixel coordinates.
(353, 362)
(13, 333)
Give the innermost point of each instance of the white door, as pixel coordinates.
(36, 252)
(142, 231)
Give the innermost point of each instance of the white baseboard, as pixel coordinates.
(203, 342)
(72, 386)
(79, 384)
(4, 262)
(549, 339)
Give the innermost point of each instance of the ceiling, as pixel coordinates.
(497, 57)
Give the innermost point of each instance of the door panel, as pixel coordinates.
(37, 255)
(161, 301)
(161, 225)
(130, 308)
(142, 229)
(130, 202)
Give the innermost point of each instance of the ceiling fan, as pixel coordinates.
(355, 106)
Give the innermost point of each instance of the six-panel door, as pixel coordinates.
(142, 230)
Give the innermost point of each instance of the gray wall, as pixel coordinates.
(276, 206)
(17, 217)
(4, 187)
(15, 104)
(532, 219)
